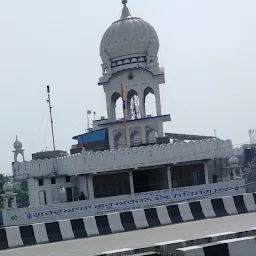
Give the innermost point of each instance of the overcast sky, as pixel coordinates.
(207, 49)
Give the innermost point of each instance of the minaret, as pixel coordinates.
(129, 50)
(18, 150)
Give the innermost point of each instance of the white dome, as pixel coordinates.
(233, 161)
(127, 36)
(17, 144)
(8, 187)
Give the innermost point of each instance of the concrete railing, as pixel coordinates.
(125, 221)
(173, 248)
(245, 246)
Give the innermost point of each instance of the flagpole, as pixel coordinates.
(124, 113)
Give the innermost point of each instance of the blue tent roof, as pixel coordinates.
(94, 136)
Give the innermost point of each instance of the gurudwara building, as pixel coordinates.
(128, 163)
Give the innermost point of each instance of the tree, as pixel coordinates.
(22, 199)
(24, 185)
(250, 176)
(2, 181)
(22, 194)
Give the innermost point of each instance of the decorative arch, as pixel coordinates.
(19, 156)
(151, 135)
(133, 105)
(119, 140)
(149, 102)
(135, 138)
(116, 106)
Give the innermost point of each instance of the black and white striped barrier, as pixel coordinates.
(171, 247)
(126, 221)
(245, 246)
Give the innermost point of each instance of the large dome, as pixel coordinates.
(128, 36)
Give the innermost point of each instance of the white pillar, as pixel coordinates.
(90, 187)
(5, 199)
(158, 100)
(234, 173)
(228, 174)
(131, 182)
(142, 104)
(240, 173)
(206, 173)
(169, 176)
(160, 130)
(111, 139)
(143, 134)
(14, 202)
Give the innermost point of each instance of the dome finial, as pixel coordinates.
(124, 2)
(125, 12)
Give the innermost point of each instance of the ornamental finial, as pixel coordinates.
(124, 2)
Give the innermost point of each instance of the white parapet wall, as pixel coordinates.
(122, 159)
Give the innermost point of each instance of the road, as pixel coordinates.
(140, 238)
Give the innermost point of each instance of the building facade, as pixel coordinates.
(121, 161)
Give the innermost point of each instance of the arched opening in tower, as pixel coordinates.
(19, 158)
(133, 105)
(135, 138)
(119, 140)
(117, 106)
(149, 102)
(151, 135)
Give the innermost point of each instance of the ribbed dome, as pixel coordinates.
(8, 187)
(233, 161)
(129, 35)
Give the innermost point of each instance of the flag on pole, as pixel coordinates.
(122, 96)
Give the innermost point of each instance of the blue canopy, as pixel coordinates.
(99, 135)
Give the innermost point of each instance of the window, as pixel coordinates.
(68, 179)
(53, 180)
(40, 182)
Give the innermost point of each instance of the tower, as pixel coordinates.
(18, 150)
(129, 50)
(9, 198)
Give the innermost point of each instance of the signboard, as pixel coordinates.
(140, 200)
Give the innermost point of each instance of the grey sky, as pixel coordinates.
(207, 48)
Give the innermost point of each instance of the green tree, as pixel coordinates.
(22, 198)
(2, 181)
(22, 194)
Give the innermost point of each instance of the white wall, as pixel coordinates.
(34, 189)
(123, 159)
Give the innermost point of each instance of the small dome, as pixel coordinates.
(17, 144)
(129, 35)
(233, 161)
(8, 187)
